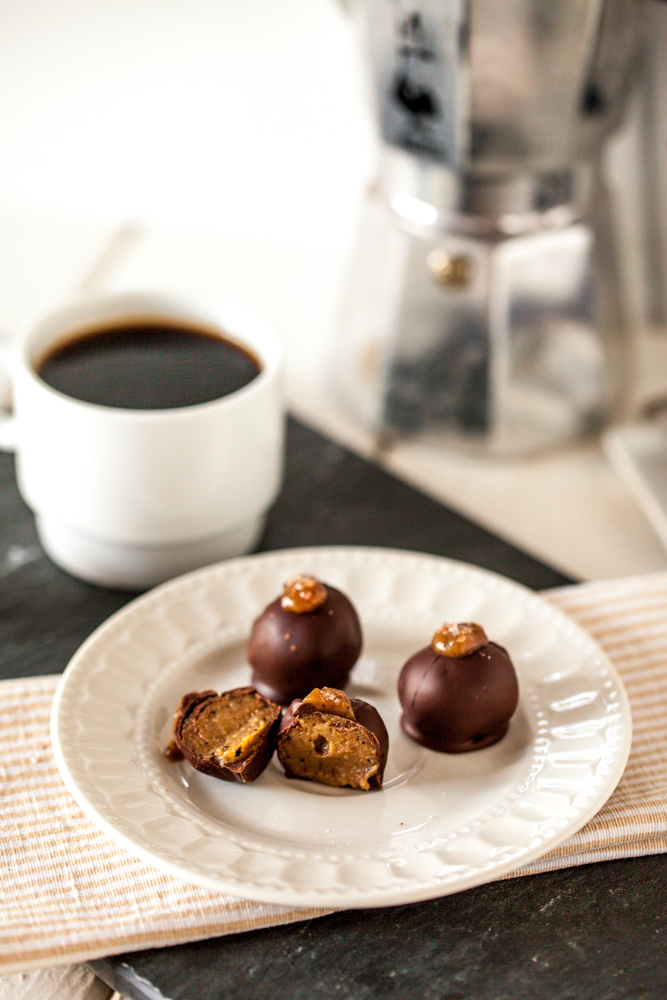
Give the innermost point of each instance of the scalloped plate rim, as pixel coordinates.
(65, 749)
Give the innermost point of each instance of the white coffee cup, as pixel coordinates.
(129, 498)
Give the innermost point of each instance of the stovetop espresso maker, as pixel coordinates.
(484, 303)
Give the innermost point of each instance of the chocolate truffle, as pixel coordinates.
(459, 693)
(229, 735)
(308, 637)
(330, 739)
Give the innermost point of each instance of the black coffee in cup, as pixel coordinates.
(148, 364)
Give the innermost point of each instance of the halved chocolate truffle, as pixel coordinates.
(330, 739)
(230, 735)
(307, 638)
(459, 693)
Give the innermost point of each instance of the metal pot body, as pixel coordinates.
(483, 306)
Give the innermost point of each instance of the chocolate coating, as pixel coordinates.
(293, 653)
(340, 766)
(458, 703)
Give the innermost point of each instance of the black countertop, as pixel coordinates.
(591, 932)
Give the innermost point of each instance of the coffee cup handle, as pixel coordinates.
(7, 420)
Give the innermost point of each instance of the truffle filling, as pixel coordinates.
(227, 729)
(330, 750)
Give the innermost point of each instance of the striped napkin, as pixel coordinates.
(70, 894)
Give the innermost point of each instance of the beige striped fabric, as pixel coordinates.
(628, 618)
(70, 894)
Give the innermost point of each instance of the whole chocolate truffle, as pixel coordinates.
(309, 637)
(459, 693)
(328, 738)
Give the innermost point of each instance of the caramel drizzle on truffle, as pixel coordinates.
(332, 701)
(302, 594)
(458, 639)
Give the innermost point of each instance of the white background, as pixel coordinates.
(226, 115)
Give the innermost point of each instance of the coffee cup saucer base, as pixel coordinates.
(138, 567)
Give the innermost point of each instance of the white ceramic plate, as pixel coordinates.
(440, 824)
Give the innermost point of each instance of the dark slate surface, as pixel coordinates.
(45, 614)
(332, 497)
(595, 932)
(590, 933)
